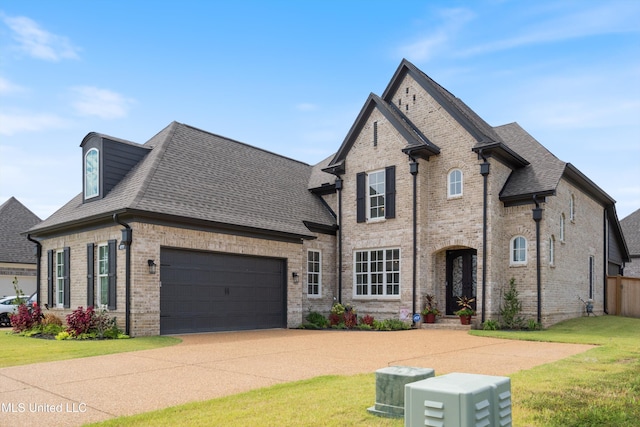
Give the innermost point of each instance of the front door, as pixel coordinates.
(461, 277)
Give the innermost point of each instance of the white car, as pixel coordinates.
(9, 305)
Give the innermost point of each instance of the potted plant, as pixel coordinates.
(431, 309)
(466, 310)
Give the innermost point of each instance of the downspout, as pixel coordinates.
(537, 216)
(484, 171)
(605, 232)
(413, 169)
(38, 267)
(339, 189)
(127, 238)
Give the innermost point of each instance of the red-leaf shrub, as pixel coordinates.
(335, 319)
(80, 321)
(367, 320)
(350, 319)
(25, 319)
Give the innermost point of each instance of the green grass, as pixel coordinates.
(600, 387)
(19, 350)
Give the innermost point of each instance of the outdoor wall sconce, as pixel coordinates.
(152, 266)
(295, 276)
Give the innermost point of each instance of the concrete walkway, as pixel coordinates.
(206, 366)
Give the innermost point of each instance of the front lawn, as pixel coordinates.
(600, 387)
(20, 350)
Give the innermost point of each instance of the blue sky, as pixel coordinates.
(291, 77)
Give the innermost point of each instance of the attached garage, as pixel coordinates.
(211, 291)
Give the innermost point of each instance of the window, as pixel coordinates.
(103, 276)
(376, 194)
(562, 227)
(572, 207)
(60, 274)
(91, 176)
(552, 250)
(377, 273)
(518, 250)
(455, 183)
(314, 274)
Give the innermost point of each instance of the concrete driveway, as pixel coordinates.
(206, 366)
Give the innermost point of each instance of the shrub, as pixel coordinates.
(511, 308)
(490, 325)
(25, 319)
(317, 319)
(64, 335)
(367, 320)
(350, 319)
(80, 321)
(51, 319)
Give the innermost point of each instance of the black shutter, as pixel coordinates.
(390, 192)
(67, 277)
(90, 275)
(111, 304)
(361, 205)
(50, 278)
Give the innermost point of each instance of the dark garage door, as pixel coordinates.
(207, 291)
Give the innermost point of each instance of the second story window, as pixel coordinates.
(376, 194)
(91, 174)
(518, 251)
(454, 183)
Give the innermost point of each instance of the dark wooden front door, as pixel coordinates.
(461, 277)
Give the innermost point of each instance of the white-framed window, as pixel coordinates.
(552, 250)
(572, 208)
(518, 251)
(376, 196)
(377, 273)
(562, 227)
(102, 299)
(314, 273)
(91, 174)
(60, 273)
(454, 183)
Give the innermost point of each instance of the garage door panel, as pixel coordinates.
(206, 291)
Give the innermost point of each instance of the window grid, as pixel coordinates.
(518, 250)
(455, 183)
(377, 272)
(376, 194)
(91, 175)
(60, 278)
(313, 272)
(103, 275)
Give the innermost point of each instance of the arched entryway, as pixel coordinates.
(461, 277)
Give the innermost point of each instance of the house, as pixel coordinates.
(17, 258)
(631, 230)
(192, 231)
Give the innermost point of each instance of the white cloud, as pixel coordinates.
(424, 48)
(7, 87)
(11, 123)
(305, 106)
(37, 42)
(103, 103)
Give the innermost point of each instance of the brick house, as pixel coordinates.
(17, 258)
(631, 230)
(192, 231)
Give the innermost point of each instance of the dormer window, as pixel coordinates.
(91, 174)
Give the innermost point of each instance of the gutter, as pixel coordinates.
(127, 238)
(38, 267)
(537, 216)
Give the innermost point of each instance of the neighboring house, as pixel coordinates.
(631, 230)
(195, 232)
(17, 254)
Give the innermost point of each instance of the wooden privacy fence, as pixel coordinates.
(623, 296)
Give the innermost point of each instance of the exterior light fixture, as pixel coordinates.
(295, 276)
(152, 266)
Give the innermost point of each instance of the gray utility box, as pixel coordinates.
(458, 400)
(390, 384)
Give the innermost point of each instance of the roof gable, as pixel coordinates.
(416, 141)
(15, 218)
(631, 229)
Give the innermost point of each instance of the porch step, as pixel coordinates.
(447, 322)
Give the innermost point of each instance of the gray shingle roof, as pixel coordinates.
(541, 175)
(631, 230)
(195, 174)
(15, 218)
